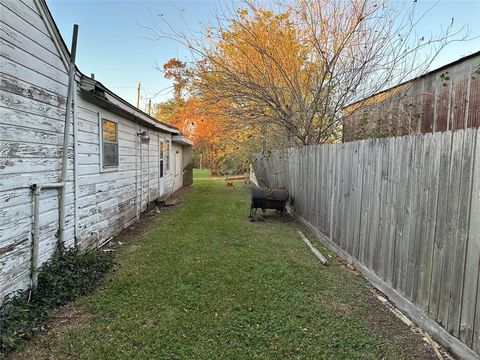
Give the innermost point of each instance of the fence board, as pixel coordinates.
(452, 224)
(352, 186)
(421, 240)
(365, 204)
(399, 261)
(395, 181)
(472, 257)
(382, 238)
(320, 186)
(358, 198)
(457, 273)
(440, 227)
(413, 216)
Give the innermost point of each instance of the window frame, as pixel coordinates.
(161, 155)
(168, 153)
(103, 167)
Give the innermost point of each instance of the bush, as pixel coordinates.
(60, 280)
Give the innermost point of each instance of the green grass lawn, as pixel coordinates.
(201, 174)
(205, 283)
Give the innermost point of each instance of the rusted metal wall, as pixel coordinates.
(444, 99)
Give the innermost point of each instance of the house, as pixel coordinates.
(447, 98)
(119, 160)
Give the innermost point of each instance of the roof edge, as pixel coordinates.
(103, 97)
(464, 58)
(180, 139)
(88, 84)
(116, 100)
(52, 28)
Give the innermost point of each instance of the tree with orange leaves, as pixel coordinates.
(222, 146)
(290, 69)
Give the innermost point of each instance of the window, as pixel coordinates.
(167, 156)
(109, 143)
(161, 158)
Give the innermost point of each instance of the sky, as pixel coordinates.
(114, 44)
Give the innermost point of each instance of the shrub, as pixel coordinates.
(60, 280)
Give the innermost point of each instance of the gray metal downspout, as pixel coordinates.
(36, 188)
(68, 118)
(75, 163)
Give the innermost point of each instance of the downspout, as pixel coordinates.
(36, 188)
(148, 176)
(66, 131)
(170, 149)
(141, 171)
(75, 164)
(136, 174)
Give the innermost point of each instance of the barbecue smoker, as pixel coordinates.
(265, 198)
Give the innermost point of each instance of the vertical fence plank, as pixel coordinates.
(328, 195)
(316, 185)
(382, 238)
(331, 182)
(343, 195)
(336, 192)
(470, 294)
(374, 205)
(389, 234)
(401, 202)
(352, 184)
(307, 182)
(371, 208)
(346, 228)
(405, 280)
(362, 256)
(461, 229)
(476, 324)
(440, 228)
(397, 171)
(422, 224)
(320, 186)
(413, 216)
(431, 222)
(358, 198)
(452, 224)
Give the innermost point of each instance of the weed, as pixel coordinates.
(60, 280)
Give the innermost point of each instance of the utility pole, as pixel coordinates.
(138, 95)
(149, 106)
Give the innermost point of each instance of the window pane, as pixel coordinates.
(109, 131)
(110, 154)
(161, 150)
(167, 156)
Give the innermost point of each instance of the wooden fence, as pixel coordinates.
(406, 210)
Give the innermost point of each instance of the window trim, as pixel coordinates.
(168, 143)
(107, 168)
(161, 156)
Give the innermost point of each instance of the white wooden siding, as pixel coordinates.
(109, 201)
(33, 86)
(177, 166)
